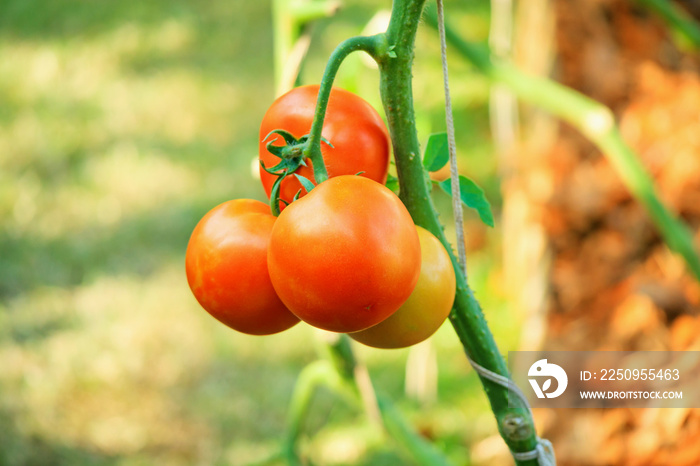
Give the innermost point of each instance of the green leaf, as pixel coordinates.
(392, 183)
(305, 182)
(275, 195)
(472, 196)
(288, 137)
(437, 152)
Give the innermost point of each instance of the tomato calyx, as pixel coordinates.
(292, 153)
(292, 156)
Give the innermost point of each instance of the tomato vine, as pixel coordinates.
(466, 317)
(394, 52)
(315, 289)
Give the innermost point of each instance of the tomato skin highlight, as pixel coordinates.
(226, 266)
(359, 137)
(427, 307)
(346, 256)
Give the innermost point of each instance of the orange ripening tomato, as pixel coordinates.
(427, 307)
(226, 265)
(346, 256)
(359, 137)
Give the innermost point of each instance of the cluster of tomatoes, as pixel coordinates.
(345, 257)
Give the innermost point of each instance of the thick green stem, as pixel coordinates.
(466, 316)
(313, 149)
(596, 122)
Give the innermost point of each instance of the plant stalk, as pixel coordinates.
(313, 148)
(466, 316)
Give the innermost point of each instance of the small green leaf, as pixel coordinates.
(285, 166)
(305, 182)
(392, 183)
(472, 196)
(274, 150)
(288, 137)
(437, 152)
(390, 52)
(305, 138)
(275, 195)
(262, 164)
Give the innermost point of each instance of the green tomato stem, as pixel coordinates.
(466, 317)
(313, 148)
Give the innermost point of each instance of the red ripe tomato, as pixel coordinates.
(359, 137)
(226, 265)
(346, 256)
(427, 307)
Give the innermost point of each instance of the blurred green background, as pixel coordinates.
(121, 124)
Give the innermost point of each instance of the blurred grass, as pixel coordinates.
(121, 124)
